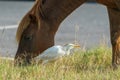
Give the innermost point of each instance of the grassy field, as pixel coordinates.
(94, 64)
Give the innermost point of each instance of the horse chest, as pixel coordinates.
(109, 3)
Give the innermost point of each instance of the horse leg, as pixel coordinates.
(114, 17)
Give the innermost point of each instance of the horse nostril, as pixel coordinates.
(22, 60)
(22, 63)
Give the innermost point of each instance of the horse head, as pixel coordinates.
(34, 35)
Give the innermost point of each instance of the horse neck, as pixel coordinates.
(56, 11)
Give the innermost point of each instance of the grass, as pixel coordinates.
(94, 64)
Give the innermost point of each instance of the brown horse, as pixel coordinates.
(37, 29)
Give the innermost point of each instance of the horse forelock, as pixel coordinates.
(26, 20)
(22, 26)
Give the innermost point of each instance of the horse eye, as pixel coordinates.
(43, 1)
(28, 37)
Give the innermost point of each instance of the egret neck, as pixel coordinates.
(68, 49)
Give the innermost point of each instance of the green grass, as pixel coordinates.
(94, 64)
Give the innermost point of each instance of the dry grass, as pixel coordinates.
(92, 64)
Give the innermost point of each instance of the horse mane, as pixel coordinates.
(35, 11)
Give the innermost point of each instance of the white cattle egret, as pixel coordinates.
(55, 52)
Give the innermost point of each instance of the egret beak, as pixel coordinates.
(77, 46)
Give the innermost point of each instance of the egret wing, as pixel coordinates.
(52, 53)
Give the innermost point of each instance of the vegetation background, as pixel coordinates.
(94, 64)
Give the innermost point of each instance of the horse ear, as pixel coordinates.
(32, 17)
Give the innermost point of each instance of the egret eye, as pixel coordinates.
(28, 37)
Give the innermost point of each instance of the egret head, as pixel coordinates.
(72, 45)
(69, 47)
